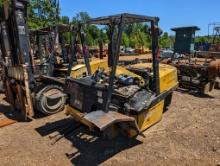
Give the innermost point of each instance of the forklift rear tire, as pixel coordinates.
(50, 106)
(167, 102)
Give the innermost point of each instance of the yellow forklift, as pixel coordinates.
(114, 99)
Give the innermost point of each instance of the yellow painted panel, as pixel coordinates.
(77, 116)
(78, 70)
(168, 80)
(150, 117)
(167, 73)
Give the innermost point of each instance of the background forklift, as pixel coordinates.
(109, 97)
(27, 88)
(42, 41)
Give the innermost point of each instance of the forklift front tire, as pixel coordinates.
(50, 99)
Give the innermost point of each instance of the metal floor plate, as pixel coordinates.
(103, 120)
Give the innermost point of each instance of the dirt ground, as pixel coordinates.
(188, 134)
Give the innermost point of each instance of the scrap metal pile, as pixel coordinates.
(193, 73)
(196, 74)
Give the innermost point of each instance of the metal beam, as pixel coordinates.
(155, 54)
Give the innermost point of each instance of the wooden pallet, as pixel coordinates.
(4, 121)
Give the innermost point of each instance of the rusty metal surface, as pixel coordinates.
(198, 73)
(128, 19)
(103, 120)
(211, 66)
(29, 106)
(16, 72)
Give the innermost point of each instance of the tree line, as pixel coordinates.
(43, 13)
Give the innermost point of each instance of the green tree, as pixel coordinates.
(172, 40)
(94, 35)
(165, 41)
(136, 36)
(81, 16)
(65, 20)
(125, 40)
(202, 39)
(42, 13)
(103, 38)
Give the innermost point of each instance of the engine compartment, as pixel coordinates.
(90, 93)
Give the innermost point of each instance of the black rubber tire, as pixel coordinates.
(167, 102)
(43, 104)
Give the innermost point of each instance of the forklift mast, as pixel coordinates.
(155, 33)
(15, 19)
(5, 45)
(24, 88)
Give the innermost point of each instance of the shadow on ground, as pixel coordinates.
(12, 114)
(89, 147)
(15, 114)
(6, 110)
(194, 93)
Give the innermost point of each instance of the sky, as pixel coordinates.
(172, 13)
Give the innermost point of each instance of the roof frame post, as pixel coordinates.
(75, 30)
(115, 56)
(155, 54)
(85, 52)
